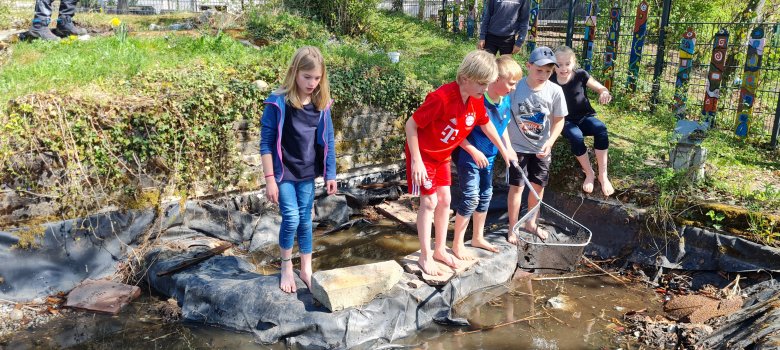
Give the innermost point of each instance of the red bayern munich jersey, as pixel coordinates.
(443, 121)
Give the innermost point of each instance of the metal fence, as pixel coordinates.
(563, 22)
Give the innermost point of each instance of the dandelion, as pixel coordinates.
(115, 22)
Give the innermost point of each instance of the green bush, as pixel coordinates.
(350, 17)
(270, 28)
(5, 14)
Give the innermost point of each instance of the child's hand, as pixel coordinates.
(419, 174)
(605, 97)
(272, 191)
(332, 186)
(544, 152)
(511, 156)
(479, 158)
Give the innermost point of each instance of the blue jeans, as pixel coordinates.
(576, 131)
(476, 188)
(295, 202)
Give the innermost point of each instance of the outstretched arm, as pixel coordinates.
(604, 95)
(490, 130)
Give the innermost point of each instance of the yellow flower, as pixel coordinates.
(115, 22)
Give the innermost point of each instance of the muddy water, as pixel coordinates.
(513, 316)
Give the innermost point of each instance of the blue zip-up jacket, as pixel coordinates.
(505, 18)
(271, 138)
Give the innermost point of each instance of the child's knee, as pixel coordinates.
(428, 202)
(444, 198)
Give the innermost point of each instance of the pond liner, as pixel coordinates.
(225, 291)
(68, 252)
(620, 231)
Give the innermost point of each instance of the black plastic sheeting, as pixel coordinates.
(756, 326)
(619, 232)
(70, 252)
(225, 291)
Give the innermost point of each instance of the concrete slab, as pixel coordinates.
(353, 286)
(410, 265)
(102, 296)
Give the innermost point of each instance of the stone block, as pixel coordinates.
(352, 286)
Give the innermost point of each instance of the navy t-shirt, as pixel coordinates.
(298, 141)
(574, 91)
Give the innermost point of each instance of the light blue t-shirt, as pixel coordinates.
(499, 115)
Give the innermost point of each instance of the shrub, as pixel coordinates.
(269, 28)
(350, 17)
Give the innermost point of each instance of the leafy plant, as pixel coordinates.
(716, 218)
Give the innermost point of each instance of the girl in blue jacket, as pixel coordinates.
(296, 145)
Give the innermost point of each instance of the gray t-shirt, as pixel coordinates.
(534, 110)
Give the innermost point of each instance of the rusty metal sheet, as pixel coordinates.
(102, 296)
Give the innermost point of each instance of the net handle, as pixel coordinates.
(530, 212)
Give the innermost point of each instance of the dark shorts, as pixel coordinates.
(537, 170)
(501, 44)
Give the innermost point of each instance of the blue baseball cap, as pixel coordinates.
(542, 56)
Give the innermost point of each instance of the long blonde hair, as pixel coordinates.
(566, 51)
(306, 58)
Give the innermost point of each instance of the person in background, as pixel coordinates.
(42, 19)
(504, 26)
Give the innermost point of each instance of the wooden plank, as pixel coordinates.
(102, 296)
(400, 213)
(196, 259)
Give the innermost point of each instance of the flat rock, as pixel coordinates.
(102, 296)
(352, 286)
(410, 264)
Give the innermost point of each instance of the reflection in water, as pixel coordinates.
(511, 316)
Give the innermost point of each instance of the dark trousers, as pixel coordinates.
(575, 132)
(501, 44)
(43, 10)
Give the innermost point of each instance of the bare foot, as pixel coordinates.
(606, 185)
(587, 185)
(482, 243)
(306, 277)
(446, 259)
(287, 283)
(429, 266)
(540, 232)
(511, 237)
(462, 253)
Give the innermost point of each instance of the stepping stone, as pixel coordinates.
(102, 296)
(353, 286)
(410, 264)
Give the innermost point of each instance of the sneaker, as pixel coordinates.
(65, 28)
(40, 31)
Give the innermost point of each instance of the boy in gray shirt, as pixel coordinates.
(538, 111)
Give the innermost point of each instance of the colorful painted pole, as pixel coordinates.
(637, 44)
(714, 77)
(590, 34)
(747, 93)
(687, 44)
(610, 55)
(533, 23)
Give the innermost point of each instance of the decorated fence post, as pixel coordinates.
(590, 33)
(687, 45)
(533, 21)
(637, 44)
(610, 54)
(715, 75)
(747, 93)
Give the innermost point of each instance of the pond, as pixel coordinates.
(519, 314)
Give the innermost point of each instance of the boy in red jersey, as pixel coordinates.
(444, 119)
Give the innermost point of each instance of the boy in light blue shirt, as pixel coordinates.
(475, 161)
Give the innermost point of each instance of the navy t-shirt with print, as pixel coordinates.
(574, 91)
(298, 141)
